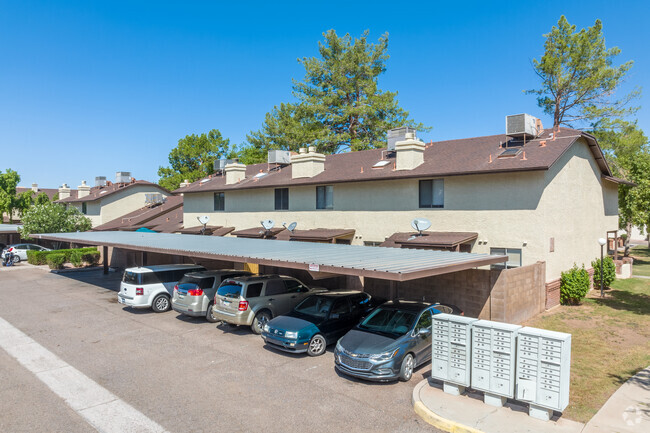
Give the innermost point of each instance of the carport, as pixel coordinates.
(9, 233)
(443, 276)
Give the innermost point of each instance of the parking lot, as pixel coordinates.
(182, 373)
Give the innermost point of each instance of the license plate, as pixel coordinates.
(224, 302)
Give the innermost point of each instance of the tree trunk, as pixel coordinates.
(628, 230)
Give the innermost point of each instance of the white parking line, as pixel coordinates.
(99, 407)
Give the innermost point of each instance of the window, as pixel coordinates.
(84, 208)
(282, 199)
(340, 308)
(514, 257)
(360, 301)
(372, 243)
(254, 290)
(294, 286)
(219, 201)
(325, 197)
(275, 287)
(432, 193)
(424, 322)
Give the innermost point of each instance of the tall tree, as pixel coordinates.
(52, 218)
(193, 158)
(42, 198)
(579, 80)
(10, 202)
(340, 106)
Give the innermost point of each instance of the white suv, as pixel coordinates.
(152, 286)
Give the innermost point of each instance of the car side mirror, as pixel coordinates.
(334, 316)
(423, 332)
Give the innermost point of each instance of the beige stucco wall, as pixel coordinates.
(117, 204)
(511, 210)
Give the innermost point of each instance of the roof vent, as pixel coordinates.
(399, 134)
(123, 177)
(279, 157)
(100, 180)
(523, 126)
(510, 152)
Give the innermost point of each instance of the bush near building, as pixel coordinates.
(89, 255)
(574, 285)
(609, 272)
(56, 261)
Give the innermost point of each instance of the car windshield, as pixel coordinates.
(132, 277)
(389, 321)
(201, 283)
(315, 306)
(229, 289)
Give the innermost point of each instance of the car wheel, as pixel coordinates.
(16, 259)
(260, 320)
(406, 370)
(160, 303)
(317, 345)
(209, 316)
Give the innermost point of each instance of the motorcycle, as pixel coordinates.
(8, 259)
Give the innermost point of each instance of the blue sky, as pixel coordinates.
(90, 88)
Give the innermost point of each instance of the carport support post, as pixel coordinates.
(393, 290)
(105, 255)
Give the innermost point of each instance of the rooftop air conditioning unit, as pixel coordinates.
(399, 134)
(279, 157)
(154, 198)
(100, 180)
(123, 177)
(220, 164)
(522, 126)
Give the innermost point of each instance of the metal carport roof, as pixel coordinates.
(396, 264)
(9, 228)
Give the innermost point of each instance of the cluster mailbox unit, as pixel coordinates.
(504, 361)
(493, 360)
(451, 351)
(543, 368)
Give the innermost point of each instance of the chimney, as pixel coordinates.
(35, 187)
(307, 164)
(409, 153)
(64, 191)
(83, 190)
(235, 172)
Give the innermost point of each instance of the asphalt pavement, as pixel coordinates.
(183, 374)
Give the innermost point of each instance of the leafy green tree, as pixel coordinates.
(42, 198)
(193, 158)
(52, 218)
(340, 106)
(10, 202)
(579, 79)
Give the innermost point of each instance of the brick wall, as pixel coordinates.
(552, 293)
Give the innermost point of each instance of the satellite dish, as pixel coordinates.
(203, 219)
(292, 226)
(420, 224)
(267, 224)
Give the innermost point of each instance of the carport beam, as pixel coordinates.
(105, 255)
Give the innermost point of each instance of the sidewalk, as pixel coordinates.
(626, 411)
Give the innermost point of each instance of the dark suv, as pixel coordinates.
(194, 293)
(253, 301)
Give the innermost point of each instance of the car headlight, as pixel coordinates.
(339, 348)
(293, 334)
(384, 356)
(266, 327)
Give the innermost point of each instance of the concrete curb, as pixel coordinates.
(434, 419)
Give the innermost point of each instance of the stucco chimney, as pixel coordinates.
(35, 187)
(83, 190)
(307, 164)
(235, 172)
(64, 191)
(409, 154)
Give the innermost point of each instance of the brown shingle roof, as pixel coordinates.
(259, 232)
(51, 192)
(97, 193)
(138, 218)
(444, 158)
(321, 234)
(429, 239)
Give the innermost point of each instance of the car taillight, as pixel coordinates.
(176, 288)
(11, 249)
(139, 291)
(195, 292)
(243, 305)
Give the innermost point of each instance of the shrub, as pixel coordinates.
(76, 258)
(609, 272)
(55, 261)
(574, 285)
(40, 257)
(90, 257)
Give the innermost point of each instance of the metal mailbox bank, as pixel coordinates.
(493, 360)
(451, 351)
(543, 368)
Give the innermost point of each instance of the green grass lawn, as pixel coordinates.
(641, 264)
(610, 342)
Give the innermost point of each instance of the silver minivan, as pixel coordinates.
(253, 301)
(151, 286)
(194, 293)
